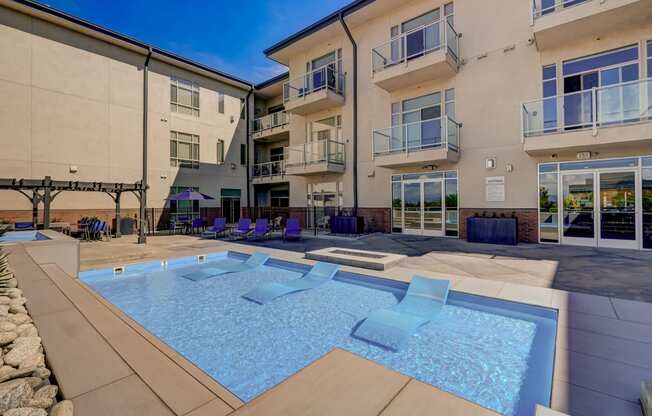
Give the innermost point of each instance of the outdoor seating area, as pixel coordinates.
(245, 229)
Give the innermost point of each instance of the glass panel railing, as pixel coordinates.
(326, 77)
(416, 43)
(628, 102)
(319, 151)
(422, 135)
(546, 7)
(266, 169)
(270, 121)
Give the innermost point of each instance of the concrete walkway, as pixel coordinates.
(622, 274)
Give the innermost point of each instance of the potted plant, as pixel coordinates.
(493, 228)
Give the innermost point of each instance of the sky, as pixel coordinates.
(227, 35)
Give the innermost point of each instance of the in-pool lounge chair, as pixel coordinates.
(216, 269)
(292, 229)
(244, 228)
(219, 227)
(317, 276)
(392, 327)
(261, 230)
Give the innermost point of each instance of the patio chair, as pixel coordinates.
(276, 223)
(261, 230)
(317, 276)
(392, 327)
(292, 229)
(219, 268)
(324, 222)
(23, 226)
(219, 227)
(244, 228)
(197, 225)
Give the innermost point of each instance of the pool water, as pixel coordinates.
(16, 236)
(495, 353)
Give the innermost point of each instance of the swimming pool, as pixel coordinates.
(495, 353)
(16, 236)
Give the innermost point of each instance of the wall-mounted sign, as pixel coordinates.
(495, 188)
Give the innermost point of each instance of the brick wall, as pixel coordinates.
(528, 228)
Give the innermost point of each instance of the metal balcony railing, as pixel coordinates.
(545, 7)
(268, 169)
(416, 43)
(319, 151)
(617, 104)
(443, 132)
(326, 77)
(277, 119)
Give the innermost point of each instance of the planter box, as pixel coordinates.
(492, 230)
(347, 225)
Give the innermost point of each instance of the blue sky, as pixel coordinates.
(227, 35)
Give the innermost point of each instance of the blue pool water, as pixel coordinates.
(497, 354)
(16, 236)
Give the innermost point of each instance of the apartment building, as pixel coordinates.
(419, 114)
(72, 109)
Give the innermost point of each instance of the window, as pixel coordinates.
(416, 121)
(184, 150)
(183, 210)
(279, 198)
(184, 97)
(220, 102)
(276, 154)
(242, 108)
(243, 154)
(549, 79)
(326, 129)
(449, 103)
(220, 152)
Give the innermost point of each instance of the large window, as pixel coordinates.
(184, 97)
(548, 204)
(184, 150)
(279, 198)
(549, 77)
(326, 129)
(646, 173)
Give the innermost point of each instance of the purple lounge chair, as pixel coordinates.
(219, 227)
(244, 228)
(261, 230)
(292, 229)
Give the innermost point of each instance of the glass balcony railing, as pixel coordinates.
(277, 119)
(617, 104)
(416, 43)
(545, 7)
(443, 132)
(268, 169)
(326, 77)
(319, 151)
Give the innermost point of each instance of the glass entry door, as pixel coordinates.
(423, 206)
(600, 209)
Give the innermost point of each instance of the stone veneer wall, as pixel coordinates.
(25, 387)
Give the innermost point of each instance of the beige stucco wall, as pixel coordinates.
(72, 100)
(489, 91)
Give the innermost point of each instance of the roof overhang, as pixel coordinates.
(76, 24)
(272, 87)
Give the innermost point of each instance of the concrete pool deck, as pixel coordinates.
(604, 349)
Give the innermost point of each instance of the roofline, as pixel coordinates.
(273, 80)
(127, 39)
(318, 25)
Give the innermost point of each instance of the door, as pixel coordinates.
(423, 207)
(231, 209)
(617, 210)
(578, 210)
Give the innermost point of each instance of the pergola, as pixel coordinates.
(46, 190)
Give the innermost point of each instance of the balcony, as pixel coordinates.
(427, 53)
(268, 172)
(605, 117)
(315, 158)
(557, 22)
(315, 91)
(417, 144)
(274, 126)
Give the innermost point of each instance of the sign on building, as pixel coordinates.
(495, 188)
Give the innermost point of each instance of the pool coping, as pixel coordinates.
(568, 304)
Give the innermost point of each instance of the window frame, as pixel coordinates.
(220, 151)
(176, 85)
(194, 142)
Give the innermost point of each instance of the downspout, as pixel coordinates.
(248, 149)
(142, 239)
(355, 114)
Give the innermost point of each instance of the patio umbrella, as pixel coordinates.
(189, 195)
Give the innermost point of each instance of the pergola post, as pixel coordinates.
(35, 200)
(118, 231)
(47, 199)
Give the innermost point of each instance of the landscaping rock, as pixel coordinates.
(13, 393)
(17, 301)
(35, 382)
(42, 373)
(10, 375)
(33, 361)
(64, 408)
(22, 349)
(44, 397)
(4, 310)
(5, 300)
(25, 411)
(17, 309)
(27, 330)
(6, 326)
(7, 337)
(20, 318)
